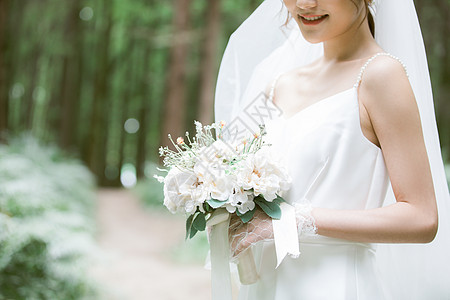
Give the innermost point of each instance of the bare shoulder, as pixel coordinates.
(385, 84)
(388, 98)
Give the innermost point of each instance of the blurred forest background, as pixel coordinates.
(108, 79)
(94, 87)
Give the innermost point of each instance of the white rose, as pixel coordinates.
(183, 192)
(221, 187)
(261, 173)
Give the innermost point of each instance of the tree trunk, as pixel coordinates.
(28, 106)
(70, 86)
(4, 97)
(175, 103)
(442, 106)
(126, 93)
(98, 133)
(209, 62)
(144, 111)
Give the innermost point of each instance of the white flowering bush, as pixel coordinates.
(46, 223)
(207, 173)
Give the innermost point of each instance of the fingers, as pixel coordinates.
(243, 236)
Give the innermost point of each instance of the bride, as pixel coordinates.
(356, 131)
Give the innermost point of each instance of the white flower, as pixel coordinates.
(262, 174)
(220, 185)
(183, 192)
(240, 199)
(212, 169)
(159, 178)
(217, 152)
(198, 126)
(246, 206)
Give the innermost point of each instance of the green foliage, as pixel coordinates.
(189, 228)
(272, 209)
(216, 203)
(46, 224)
(247, 216)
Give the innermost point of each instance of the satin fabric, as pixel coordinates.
(262, 47)
(333, 165)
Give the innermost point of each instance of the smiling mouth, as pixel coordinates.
(312, 19)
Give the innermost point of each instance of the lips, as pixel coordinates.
(312, 19)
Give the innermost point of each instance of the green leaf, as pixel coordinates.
(189, 225)
(215, 203)
(193, 232)
(207, 207)
(278, 200)
(247, 216)
(199, 222)
(272, 209)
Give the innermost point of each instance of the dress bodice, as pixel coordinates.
(332, 165)
(331, 162)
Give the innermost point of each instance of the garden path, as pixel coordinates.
(136, 244)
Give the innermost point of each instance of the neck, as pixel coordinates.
(350, 45)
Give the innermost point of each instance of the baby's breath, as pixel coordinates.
(187, 152)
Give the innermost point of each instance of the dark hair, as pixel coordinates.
(371, 22)
(369, 16)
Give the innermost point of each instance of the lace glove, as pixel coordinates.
(259, 228)
(244, 235)
(306, 224)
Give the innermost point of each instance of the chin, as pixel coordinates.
(312, 39)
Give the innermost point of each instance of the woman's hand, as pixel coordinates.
(243, 236)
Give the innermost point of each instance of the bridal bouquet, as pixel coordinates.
(210, 178)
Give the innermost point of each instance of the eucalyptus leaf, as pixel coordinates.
(189, 225)
(272, 209)
(207, 207)
(247, 216)
(193, 232)
(199, 222)
(278, 200)
(215, 203)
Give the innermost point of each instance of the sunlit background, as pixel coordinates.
(89, 90)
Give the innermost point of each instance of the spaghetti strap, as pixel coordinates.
(272, 88)
(363, 68)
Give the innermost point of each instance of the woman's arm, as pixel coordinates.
(388, 99)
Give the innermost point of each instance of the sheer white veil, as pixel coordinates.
(262, 47)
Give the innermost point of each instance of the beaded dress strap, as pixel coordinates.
(358, 81)
(272, 88)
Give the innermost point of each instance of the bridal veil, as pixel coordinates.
(263, 47)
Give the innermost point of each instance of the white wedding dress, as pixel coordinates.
(332, 165)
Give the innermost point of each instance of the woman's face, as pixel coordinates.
(323, 20)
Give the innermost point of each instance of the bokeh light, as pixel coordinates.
(17, 90)
(131, 125)
(86, 13)
(128, 176)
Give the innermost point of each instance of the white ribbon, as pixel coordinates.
(286, 243)
(285, 233)
(220, 255)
